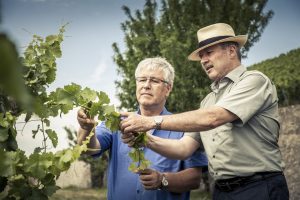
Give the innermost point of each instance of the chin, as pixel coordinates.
(145, 103)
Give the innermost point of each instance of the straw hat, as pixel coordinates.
(214, 34)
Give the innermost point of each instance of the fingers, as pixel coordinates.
(145, 172)
(125, 124)
(150, 179)
(128, 138)
(126, 114)
(81, 113)
(83, 120)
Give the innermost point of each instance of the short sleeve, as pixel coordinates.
(198, 159)
(104, 136)
(247, 97)
(195, 136)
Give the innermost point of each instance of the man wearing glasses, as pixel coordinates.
(166, 179)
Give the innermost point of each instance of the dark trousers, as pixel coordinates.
(272, 188)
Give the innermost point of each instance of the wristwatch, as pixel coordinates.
(164, 182)
(158, 120)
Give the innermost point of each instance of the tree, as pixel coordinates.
(284, 71)
(172, 34)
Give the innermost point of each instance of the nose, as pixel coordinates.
(204, 59)
(147, 84)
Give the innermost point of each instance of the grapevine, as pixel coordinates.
(137, 154)
(23, 84)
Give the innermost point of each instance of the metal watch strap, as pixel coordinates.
(158, 120)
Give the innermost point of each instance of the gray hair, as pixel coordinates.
(157, 63)
(227, 44)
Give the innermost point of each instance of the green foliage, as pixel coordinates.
(23, 86)
(284, 71)
(171, 33)
(139, 162)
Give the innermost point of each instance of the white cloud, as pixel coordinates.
(99, 72)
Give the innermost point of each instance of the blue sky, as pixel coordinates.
(95, 25)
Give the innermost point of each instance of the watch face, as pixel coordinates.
(164, 181)
(158, 119)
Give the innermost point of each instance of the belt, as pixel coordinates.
(227, 185)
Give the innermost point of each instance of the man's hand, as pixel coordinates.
(151, 179)
(133, 122)
(128, 138)
(85, 122)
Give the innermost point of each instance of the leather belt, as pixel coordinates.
(227, 185)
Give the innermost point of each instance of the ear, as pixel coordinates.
(232, 51)
(169, 89)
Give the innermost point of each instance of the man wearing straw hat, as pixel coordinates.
(237, 121)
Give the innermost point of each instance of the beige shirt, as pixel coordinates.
(249, 144)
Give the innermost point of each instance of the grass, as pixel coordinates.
(100, 194)
(79, 194)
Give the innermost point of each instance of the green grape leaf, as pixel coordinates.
(103, 98)
(132, 167)
(112, 121)
(144, 164)
(3, 134)
(8, 160)
(134, 154)
(67, 156)
(3, 121)
(50, 190)
(37, 194)
(77, 150)
(66, 108)
(37, 164)
(47, 122)
(53, 136)
(88, 95)
(108, 109)
(56, 50)
(73, 89)
(50, 39)
(64, 97)
(96, 108)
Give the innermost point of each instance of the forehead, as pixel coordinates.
(213, 47)
(157, 72)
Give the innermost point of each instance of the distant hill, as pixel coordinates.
(284, 71)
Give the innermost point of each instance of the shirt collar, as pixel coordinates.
(163, 112)
(232, 75)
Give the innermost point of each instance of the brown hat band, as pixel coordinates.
(211, 40)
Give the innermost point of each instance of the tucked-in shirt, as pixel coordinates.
(124, 184)
(249, 144)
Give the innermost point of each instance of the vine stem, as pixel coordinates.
(88, 139)
(44, 136)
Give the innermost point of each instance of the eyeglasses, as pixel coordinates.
(152, 80)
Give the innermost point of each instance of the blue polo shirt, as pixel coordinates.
(123, 184)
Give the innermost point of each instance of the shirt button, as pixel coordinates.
(138, 191)
(213, 139)
(214, 156)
